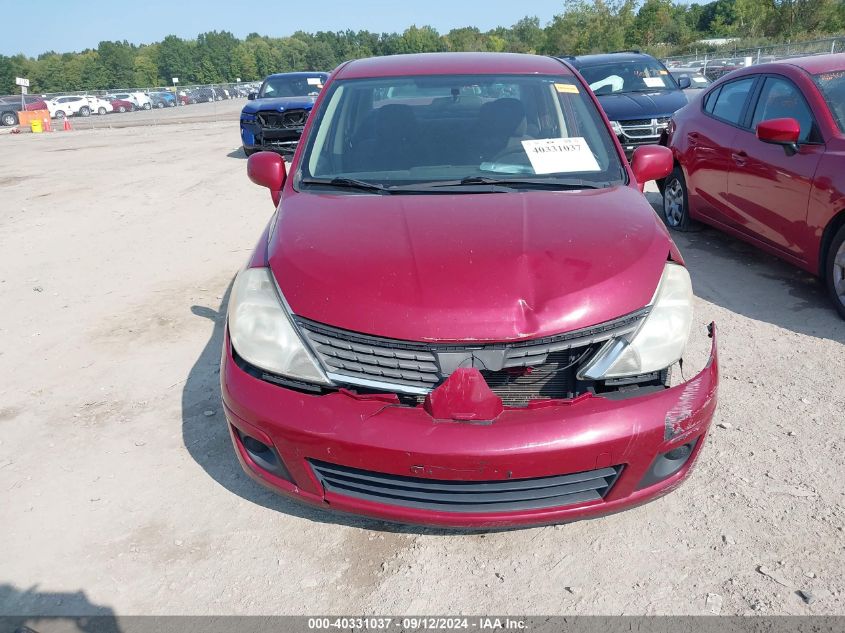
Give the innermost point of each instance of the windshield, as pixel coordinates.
(832, 87)
(641, 75)
(291, 86)
(460, 131)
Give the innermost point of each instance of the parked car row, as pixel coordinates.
(84, 105)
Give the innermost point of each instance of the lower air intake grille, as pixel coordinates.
(466, 496)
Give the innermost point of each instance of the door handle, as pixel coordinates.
(740, 158)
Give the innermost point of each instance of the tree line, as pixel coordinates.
(662, 27)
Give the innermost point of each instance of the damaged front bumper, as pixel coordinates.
(256, 136)
(567, 460)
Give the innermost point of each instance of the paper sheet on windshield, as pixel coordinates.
(654, 82)
(314, 81)
(560, 155)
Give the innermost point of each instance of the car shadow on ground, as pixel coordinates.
(737, 276)
(27, 610)
(236, 153)
(206, 437)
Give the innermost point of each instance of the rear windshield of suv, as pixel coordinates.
(832, 87)
(437, 129)
(640, 75)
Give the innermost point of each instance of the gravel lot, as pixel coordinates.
(121, 493)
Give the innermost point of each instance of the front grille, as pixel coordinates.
(635, 122)
(641, 133)
(517, 372)
(290, 120)
(466, 496)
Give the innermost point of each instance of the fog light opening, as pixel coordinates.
(667, 464)
(265, 457)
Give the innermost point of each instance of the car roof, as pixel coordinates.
(815, 64)
(607, 58)
(451, 64)
(299, 74)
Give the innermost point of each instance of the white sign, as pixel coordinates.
(20, 81)
(557, 155)
(176, 80)
(24, 90)
(654, 82)
(314, 81)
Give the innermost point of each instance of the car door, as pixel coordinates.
(768, 189)
(709, 137)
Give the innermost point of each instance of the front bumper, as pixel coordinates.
(370, 434)
(255, 137)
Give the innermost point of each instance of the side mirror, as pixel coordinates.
(268, 170)
(651, 162)
(252, 96)
(785, 132)
(684, 82)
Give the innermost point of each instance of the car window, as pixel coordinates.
(710, 100)
(832, 87)
(417, 131)
(781, 99)
(731, 99)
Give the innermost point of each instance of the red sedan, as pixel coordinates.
(463, 312)
(762, 156)
(121, 105)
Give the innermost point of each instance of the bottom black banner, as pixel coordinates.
(422, 624)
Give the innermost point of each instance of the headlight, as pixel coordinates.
(617, 129)
(661, 338)
(248, 118)
(262, 332)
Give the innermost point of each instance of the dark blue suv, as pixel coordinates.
(636, 92)
(275, 116)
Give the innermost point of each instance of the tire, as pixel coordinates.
(132, 108)
(101, 110)
(676, 202)
(249, 152)
(8, 119)
(834, 271)
(60, 114)
(121, 108)
(84, 111)
(160, 106)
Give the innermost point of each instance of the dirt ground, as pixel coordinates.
(121, 494)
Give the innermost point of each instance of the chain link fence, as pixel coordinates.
(715, 63)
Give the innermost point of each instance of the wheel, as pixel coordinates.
(676, 202)
(121, 108)
(159, 105)
(9, 118)
(249, 152)
(172, 104)
(147, 106)
(60, 114)
(84, 111)
(101, 110)
(834, 271)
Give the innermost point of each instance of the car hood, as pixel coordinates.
(642, 105)
(279, 104)
(491, 267)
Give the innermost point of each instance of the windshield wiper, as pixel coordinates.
(346, 183)
(545, 183)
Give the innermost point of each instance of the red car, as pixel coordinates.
(464, 312)
(121, 105)
(762, 156)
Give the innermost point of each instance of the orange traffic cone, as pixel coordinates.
(46, 124)
(68, 126)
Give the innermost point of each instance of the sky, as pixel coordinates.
(74, 26)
